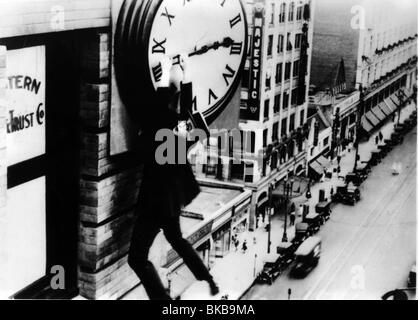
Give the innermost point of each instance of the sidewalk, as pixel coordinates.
(235, 273)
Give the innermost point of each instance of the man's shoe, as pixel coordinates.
(214, 289)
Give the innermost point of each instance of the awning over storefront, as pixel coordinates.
(372, 119)
(389, 102)
(315, 170)
(378, 113)
(385, 109)
(366, 124)
(395, 99)
(323, 162)
(262, 201)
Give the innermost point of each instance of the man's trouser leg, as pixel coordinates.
(145, 230)
(172, 232)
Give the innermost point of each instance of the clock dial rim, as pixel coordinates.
(213, 111)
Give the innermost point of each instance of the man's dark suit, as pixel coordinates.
(165, 189)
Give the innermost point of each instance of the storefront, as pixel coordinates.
(204, 252)
(240, 222)
(261, 209)
(383, 103)
(222, 240)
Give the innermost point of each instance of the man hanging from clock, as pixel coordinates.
(167, 188)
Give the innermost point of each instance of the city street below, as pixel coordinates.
(367, 249)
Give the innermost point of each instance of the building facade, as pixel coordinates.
(270, 143)
(387, 55)
(378, 42)
(387, 40)
(274, 97)
(337, 118)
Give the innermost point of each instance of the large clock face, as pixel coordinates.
(213, 34)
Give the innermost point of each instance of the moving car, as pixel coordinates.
(307, 256)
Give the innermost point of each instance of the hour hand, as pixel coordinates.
(226, 42)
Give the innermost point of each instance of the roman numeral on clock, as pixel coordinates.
(194, 104)
(236, 48)
(169, 16)
(212, 95)
(176, 60)
(229, 75)
(158, 46)
(223, 3)
(157, 72)
(236, 20)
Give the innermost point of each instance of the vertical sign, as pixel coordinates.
(253, 103)
(23, 247)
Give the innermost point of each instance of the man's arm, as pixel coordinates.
(158, 112)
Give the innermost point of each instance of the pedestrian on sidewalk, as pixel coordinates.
(380, 136)
(376, 139)
(244, 246)
(300, 213)
(292, 218)
(331, 192)
(338, 159)
(292, 207)
(236, 243)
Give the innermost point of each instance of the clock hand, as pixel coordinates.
(227, 42)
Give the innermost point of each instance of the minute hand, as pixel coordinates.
(227, 42)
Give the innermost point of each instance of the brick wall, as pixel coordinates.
(108, 186)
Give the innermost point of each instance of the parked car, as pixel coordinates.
(301, 233)
(271, 269)
(396, 137)
(323, 208)
(412, 277)
(314, 222)
(307, 256)
(384, 148)
(286, 252)
(347, 194)
(355, 177)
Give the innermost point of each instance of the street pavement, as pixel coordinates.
(367, 249)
